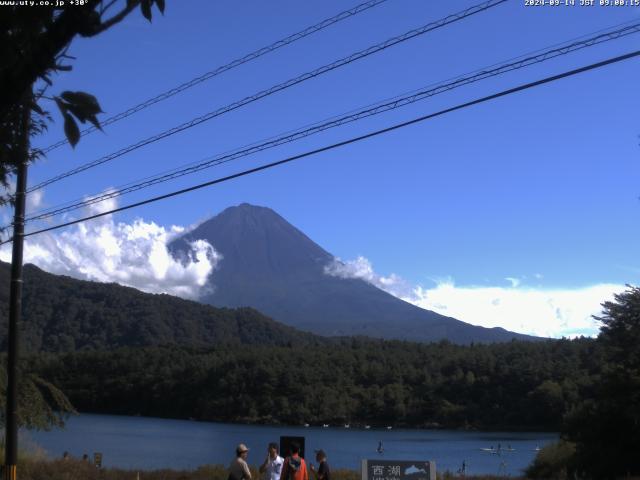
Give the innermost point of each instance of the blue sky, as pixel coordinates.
(535, 192)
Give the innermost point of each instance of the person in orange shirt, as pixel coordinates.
(294, 467)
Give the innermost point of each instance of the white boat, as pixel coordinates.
(367, 427)
(389, 427)
(346, 425)
(326, 425)
(306, 424)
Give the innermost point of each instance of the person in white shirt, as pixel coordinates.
(272, 465)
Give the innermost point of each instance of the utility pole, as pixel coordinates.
(15, 297)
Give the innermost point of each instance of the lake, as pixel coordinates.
(151, 443)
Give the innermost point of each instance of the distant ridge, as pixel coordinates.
(272, 266)
(63, 314)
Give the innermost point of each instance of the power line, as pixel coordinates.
(279, 87)
(380, 107)
(229, 66)
(333, 146)
(575, 43)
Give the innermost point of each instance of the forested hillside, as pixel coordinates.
(62, 314)
(357, 381)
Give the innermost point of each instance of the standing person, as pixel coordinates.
(463, 469)
(239, 469)
(294, 467)
(323, 472)
(271, 468)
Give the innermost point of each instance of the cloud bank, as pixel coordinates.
(135, 255)
(519, 308)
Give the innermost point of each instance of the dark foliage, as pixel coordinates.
(114, 349)
(41, 405)
(34, 40)
(62, 314)
(359, 381)
(606, 425)
(555, 461)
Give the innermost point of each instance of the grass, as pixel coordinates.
(40, 468)
(33, 464)
(72, 469)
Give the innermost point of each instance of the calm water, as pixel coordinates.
(149, 443)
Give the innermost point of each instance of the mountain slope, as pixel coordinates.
(272, 266)
(64, 314)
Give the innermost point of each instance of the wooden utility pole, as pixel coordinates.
(15, 296)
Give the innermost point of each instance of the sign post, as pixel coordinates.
(398, 470)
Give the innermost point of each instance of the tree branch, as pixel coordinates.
(131, 6)
(50, 43)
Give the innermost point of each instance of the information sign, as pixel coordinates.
(398, 470)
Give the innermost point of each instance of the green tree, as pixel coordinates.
(34, 43)
(606, 427)
(547, 403)
(41, 405)
(554, 461)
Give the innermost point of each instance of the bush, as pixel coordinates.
(555, 461)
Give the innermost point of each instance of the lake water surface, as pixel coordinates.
(151, 443)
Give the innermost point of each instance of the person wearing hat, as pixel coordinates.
(239, 469)
(271, 468)
(323, 472)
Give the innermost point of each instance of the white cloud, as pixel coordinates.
(514, 281)
(536, 311)
(34, 201)
(362, 268)
(543, 312)
(134, 255)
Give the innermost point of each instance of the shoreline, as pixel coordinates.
(352, 426)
